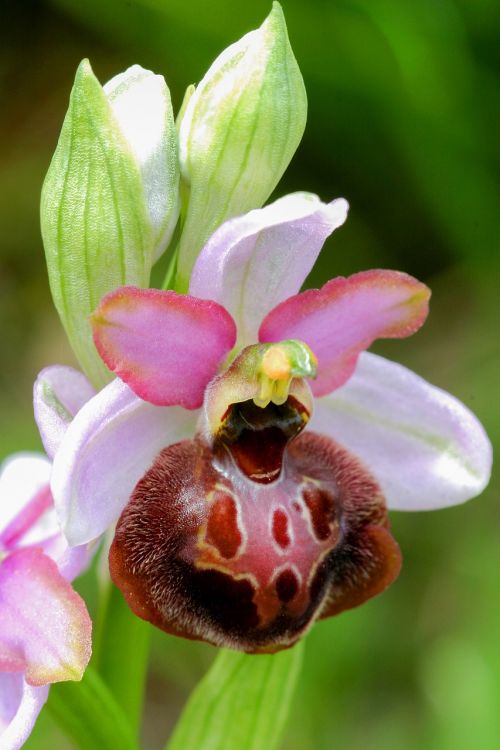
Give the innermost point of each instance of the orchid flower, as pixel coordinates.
(45, 628)
(238, 526)
(44, 625)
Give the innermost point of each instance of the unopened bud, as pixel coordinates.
(238, 132)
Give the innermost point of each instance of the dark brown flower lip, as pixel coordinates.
(214, 555)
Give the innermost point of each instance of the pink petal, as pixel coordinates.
(425, 448)
(345, 316)
(59, 392)
(20, 705)
(47, 536)
(71, 561)
(165, 346)
(108, 447)
(255, 261)
(24, 478)
(30, 518)
(45, 629)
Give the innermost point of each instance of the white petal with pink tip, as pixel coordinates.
(28, 517)
(108, 447)
(58, 394)
(255, 261)
(20, 705)
(22, 476)
(426, 449)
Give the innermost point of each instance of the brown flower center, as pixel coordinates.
(245, 542)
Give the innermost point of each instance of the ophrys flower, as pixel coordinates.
(244, 529)
(44, 625)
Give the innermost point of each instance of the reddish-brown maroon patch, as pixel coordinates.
(321, 508)
(229, 602)
(281, 531)
(372, 565)
(222, 528)
(287, 585)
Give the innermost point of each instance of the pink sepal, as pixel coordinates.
(45, 627)
(345, 316)
(165, 346)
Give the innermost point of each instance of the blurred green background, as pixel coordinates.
(404, 102)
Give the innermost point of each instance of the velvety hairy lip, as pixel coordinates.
(205, 551)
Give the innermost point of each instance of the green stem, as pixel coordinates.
(121, 653)
(88, 714)
(242, 702)
(171, 281)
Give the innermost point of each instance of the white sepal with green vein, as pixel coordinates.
(237, 133)
(110, 200)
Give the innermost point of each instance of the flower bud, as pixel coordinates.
(141, 104)
(238, 132)
(110, 199)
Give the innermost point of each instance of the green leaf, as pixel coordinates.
(241, 704)
(95, 226)
(87, 712)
